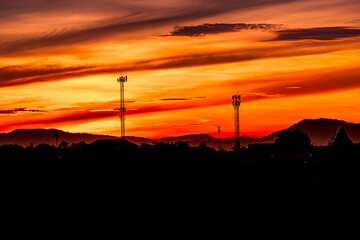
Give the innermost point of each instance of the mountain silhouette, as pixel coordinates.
(320, 132)
(26, 137)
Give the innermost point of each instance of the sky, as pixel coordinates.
(288, 59)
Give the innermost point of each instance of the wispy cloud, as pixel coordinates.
(21, 7)
(18, 75)
(310, 82)
(17, 110)
(181, 99)
(154, 17)
(91, 115)
(284, 34)
(216, 28)
(323, 33)
(10, 73)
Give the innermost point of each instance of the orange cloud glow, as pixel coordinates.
(289, 60)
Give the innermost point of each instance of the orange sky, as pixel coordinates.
(289, 60)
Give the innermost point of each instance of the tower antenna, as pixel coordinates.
(122, 108)
(236, 100)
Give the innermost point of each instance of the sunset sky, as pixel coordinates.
(289, 60)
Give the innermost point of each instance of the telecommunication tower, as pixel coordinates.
(219, 131)
(236, 100)
(122, 108)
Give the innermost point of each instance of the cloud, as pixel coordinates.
(175, 99)
(18, 75)
(9, 73)
(323, 33)
(356, 21)
(89, 34)
(16, 110)
(152, 17)
(216, 28)
(13, 9)
(181, 99)
(309, 82)
(80, 116)
(90, 115)
(286, 84)
(21, 7)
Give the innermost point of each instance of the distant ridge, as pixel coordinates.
(196, 139)
(320, 132)
(25, 137)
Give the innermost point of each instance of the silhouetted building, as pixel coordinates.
(276, 151)
(340, 137)
(113, 145)
(263, 147)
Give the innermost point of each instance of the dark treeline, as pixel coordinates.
(288, 178)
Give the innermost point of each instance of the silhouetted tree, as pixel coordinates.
(30, 147)
(204, 149)
(56, 137)
(63, 144)
(11, 148)
(182, 146)
(203, 145)
(293, 139)
(43, 147)
(236, 147)
(80, 144)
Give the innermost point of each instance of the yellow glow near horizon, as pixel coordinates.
(62, 72)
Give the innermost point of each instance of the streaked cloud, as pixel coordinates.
(154, 17)
(19, 75)
(216, 28)
(17, 110)
(323, 33)
(314, 82)
(65, 55)
(284, 34)
(181, 99)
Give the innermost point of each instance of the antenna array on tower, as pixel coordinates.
(122, 108)
(236, 100)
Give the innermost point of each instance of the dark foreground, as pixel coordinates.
(174, 181)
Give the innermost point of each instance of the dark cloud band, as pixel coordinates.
(324, 33)
(216, 28)
(152, 18)
(19, 75)
(17, 110)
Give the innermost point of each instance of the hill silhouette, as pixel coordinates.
(320, 132)
(26, 137)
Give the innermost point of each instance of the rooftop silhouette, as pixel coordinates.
(340, 138)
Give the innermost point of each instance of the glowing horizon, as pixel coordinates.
(290, 60)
